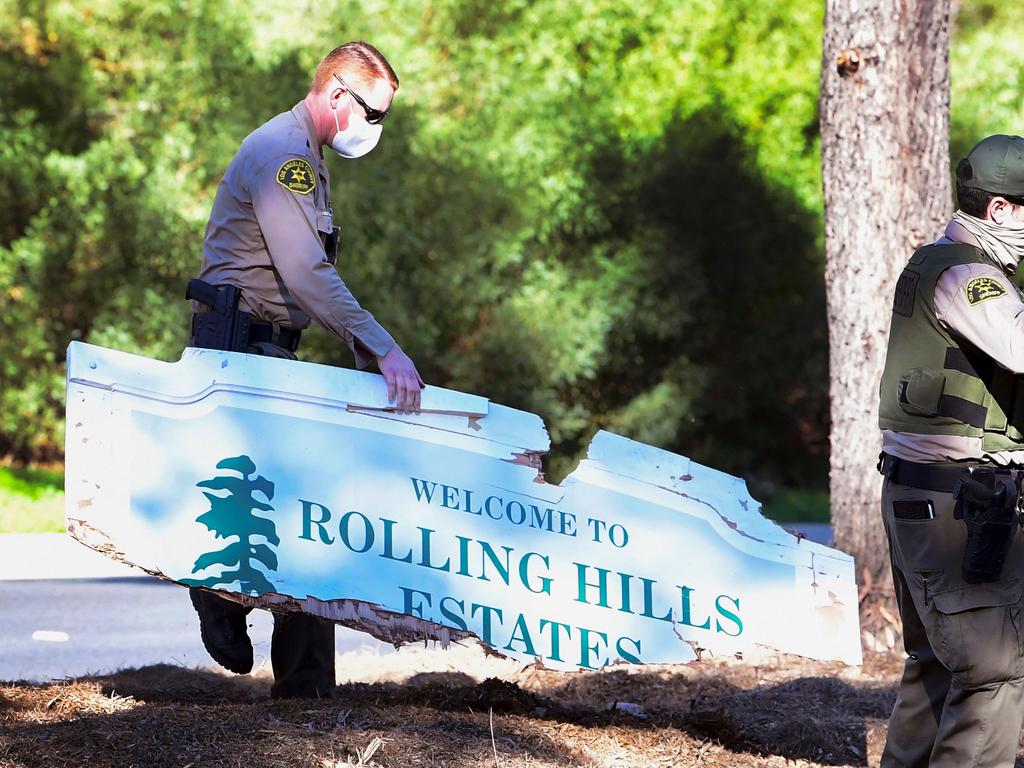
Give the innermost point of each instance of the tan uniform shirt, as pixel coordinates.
(995, 326)
(264, 236)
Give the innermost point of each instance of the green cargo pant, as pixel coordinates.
(302, 646)
(961, 700)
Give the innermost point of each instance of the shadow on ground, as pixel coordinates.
(167, 716)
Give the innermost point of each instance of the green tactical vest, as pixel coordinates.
(935, 383)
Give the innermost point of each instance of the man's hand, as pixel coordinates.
(403, 380)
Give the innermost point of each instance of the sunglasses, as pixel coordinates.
(373, 116)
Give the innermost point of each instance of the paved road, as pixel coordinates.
(67, 628)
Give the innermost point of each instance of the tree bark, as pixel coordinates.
(885, 167)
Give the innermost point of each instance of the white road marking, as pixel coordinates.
(50, 636)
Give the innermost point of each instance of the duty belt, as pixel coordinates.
(273, 333)
(260, 331)
(218, 323)
(942, 478)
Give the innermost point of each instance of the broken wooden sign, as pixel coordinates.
(292, 486)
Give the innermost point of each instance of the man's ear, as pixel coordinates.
(340, 106)
(998, 210)
(335, 95)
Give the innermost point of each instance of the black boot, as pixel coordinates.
(302, 654)
(222, 624)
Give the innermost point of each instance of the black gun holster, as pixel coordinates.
(222, 326)
(987, 503)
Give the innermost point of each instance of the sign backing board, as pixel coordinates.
(293, 486)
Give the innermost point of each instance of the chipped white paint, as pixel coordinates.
(437, 525)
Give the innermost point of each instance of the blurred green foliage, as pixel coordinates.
(797, 506)
(605, 213)
(31, 501)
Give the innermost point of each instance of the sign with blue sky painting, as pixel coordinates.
(293, 486)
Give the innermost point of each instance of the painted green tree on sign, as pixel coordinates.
(234, 516)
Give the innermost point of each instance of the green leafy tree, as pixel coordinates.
(604, 214)
(233, 516)
(609, 214)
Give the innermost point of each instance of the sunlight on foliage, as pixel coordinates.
(609, 214)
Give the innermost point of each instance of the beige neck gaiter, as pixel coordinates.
(1004, 243)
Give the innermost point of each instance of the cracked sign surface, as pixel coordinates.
(290, 486)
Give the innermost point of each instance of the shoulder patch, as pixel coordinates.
(298, 176)
(983, 288)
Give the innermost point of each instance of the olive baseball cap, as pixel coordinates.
(996, 165)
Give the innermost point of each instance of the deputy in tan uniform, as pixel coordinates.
(271, 236)
(952, 419)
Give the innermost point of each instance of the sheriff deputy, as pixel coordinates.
(268, 271)
(952, 420)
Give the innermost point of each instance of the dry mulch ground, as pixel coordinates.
(459, 708)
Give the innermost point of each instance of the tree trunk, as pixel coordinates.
(885, 165)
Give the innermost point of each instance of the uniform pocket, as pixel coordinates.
(971, 596)
(923, 535)
(913, 509)
(920, 391)
(978, 632)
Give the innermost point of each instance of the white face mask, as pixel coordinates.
(356, 140)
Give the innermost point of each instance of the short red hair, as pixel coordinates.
(359, 59)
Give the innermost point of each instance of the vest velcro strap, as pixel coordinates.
(956, 360)
(963, 410)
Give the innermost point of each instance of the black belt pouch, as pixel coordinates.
(987, 505)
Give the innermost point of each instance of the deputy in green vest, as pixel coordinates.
(952, 420)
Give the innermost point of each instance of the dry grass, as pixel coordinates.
(431, 708)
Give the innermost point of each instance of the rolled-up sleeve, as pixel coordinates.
(980, 304)
(287, 220)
